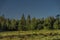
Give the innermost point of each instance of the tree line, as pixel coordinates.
(29, 23)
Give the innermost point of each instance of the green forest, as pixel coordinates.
(25, 24)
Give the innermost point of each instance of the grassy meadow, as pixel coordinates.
(31, 35)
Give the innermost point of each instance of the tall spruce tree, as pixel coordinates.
(22, 23)
(28, 22)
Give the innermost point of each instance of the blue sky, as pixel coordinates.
(36, 8)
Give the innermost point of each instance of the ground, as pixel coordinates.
(31, 35)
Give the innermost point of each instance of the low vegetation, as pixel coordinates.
(31, 35)
(30, 28)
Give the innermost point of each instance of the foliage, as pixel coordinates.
(29, 23)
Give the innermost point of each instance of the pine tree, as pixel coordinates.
(28, 22)
(22, 23)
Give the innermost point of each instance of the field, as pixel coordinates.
(31, 35)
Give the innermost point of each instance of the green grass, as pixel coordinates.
(31, 35)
